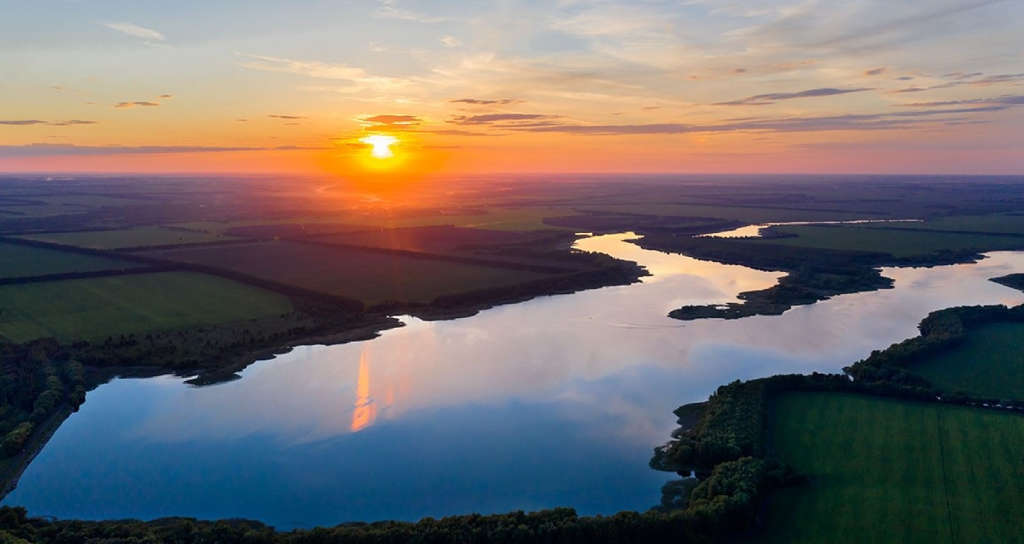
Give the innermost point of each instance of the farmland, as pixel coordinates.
(436, 238)
(371, 277)
(21, 261)
(899, 243)
(135, 237)
(989, 362)
(896, 471)
(94, 308)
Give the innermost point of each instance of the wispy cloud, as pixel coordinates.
(392, 121)
(771, 98)
(1006, 100)
(389, 10)
(29, 122)
(875, 71)
(481, 102)
(134, 30)
(451, 41)
(289, 117)
(48, 150)
(499, 118)
(362, 80)
(141, 104)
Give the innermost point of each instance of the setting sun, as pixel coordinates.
(381, 145)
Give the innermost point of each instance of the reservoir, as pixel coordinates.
(558, 401)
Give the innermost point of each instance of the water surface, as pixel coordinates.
(553, 402)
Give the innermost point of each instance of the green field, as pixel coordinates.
(99, 307)
(136, 237)
(894, 471)
(997, 223)
(990, 362)
(18, 261)
(899, 243)
(366, 276)
(738, 213)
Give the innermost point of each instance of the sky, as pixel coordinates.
(856, 86)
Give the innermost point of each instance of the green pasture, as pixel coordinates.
(996, 223)
(134, 237)
(95, 308)
(366, 276)
(738, 213)
(894, 471)
(18, 261)
(899, 243)
(990, 362)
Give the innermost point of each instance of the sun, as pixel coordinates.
(381, 145)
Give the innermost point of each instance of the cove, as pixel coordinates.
(557, 401)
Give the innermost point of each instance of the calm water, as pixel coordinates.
(556, 401)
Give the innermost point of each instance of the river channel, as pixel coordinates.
(557, 401)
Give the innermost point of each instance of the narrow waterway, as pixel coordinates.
(553, 402)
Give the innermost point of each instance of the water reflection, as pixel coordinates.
(556, 401)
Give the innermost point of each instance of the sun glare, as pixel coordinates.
(381, 145)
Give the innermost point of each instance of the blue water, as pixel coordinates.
(557, 401)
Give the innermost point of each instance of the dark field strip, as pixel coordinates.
(84, 275)
(94, 308)
(368, 276)
(896, 471)
(989, 362)
(18, 261)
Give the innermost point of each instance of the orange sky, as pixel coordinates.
(619, 86)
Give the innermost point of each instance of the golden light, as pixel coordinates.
(381, 145)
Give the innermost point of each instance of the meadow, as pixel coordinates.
(989, 362)
(95, 308)
(133, 237)
(898, 243)
(896, 471)
(368, 276)
(21, 261)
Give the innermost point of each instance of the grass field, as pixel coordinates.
(893, 471)
(18, 261)
(997, 223)
(369, 277)
(899, 243)
(439, 238)
(739, 213)
(139, 236)
(990, 362)
(99, 307)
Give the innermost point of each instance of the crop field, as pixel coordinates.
(18, 261)
(366, 276)
(95, 308)
(899, 243)
(438, 238)
(895, 471)
(739, 213)
(990, 362)
(135, 237)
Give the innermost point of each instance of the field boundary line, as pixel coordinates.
(945, 476)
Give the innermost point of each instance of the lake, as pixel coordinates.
(558, 401)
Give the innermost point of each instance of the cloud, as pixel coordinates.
(28, 122)
(71, 123)
(51, 150)
(290, 117)
(499, 118)
(166, 96)
(138, 104)
(771, 98)
(479, 102)
(451, 41)
(1006, 100)
(960, 79)
(875, 71)
(857, 122)
(135, 30)
(394, 120)
(390, 11)
(364, 82)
